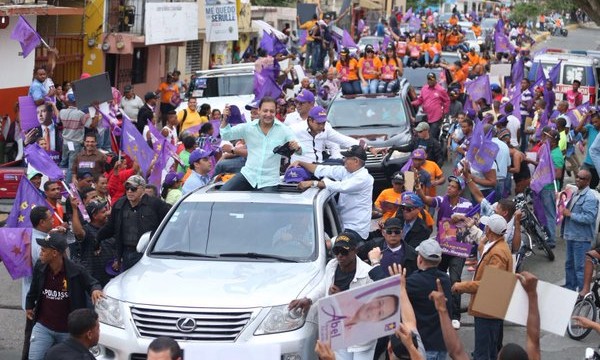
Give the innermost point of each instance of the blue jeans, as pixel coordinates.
(487, 332)
(499, 189)
(428, 60)
(315, 62)
(436, 355)
(574, 263)
(549, 204)
(387, 86)
(351, 87)
(370, 87)
(43, 339)
(68, 158)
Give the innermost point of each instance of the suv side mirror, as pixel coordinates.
(143, 242)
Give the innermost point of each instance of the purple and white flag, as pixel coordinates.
(26, 35)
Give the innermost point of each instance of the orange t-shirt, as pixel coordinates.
(348, 72)
(167, 91)
(435, 172)
(452, 40)
(453, 20)
(390, 196)
(370, 67)
(59, 214)
(434, 49)
(476, 30)
(474, 59)
(414, 49)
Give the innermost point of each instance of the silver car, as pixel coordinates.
(220, 272)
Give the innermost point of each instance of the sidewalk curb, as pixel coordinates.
(544, 35)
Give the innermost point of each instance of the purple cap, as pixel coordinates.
(199, 154)
(253, 104)
(410, 199)
(419, 154)
(296, 174)
(319, 114)
(235, 116)
(109, 269)
(305, 96)
(172, 177)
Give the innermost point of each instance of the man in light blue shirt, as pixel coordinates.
(200, 165)
(37, 91)
(261, 171)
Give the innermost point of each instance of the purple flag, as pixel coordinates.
(408, 15)
(28, 113)
(27, 198)
(499, 28)
(15, 251)
(134, 145)
(517, 72)
(26, 35)
(271, 44)
(468, 106)
(386, 41)
(540, 77)
(265, 83)
(360, 26)
(479, 88)
(516, 103)
(477, 207)
(579, 114)
(163, 149)
(42, 162)
(482, 151)
(407, 166)
(502, 43)
(543, 122)
(544, 172)
(414, 24)
(347, 41)
(554, 73)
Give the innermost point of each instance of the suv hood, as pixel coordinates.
(218, 284)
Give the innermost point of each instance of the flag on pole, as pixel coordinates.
(134, 145)
(479, 88)
(554, 73)
(15, 251)
(39, 159)
(28, 197)
(347, 41)
(26, 35)
(517, 72)
(265, 83)
(482, 150)
(544, 172)
(408, 15)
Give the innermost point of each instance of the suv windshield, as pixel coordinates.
(365, 112)
(230, 85)
(224, 230)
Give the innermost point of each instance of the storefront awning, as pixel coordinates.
(15, 10)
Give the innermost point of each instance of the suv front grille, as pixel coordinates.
(190, 324)
(375, 166)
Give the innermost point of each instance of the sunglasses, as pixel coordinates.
(340, 251)
(131, 188)
(395, 232)
(406, 208)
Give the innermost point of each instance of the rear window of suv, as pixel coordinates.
(225, 85)
(365, 112)
(205, 228)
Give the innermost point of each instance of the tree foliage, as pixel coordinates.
(591, 8)
(525, 11)
(415, 4)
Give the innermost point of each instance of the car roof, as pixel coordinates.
(286, 193)
(570, 58)
(236, 69)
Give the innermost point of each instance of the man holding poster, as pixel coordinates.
(344, 272)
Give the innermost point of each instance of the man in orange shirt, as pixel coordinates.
(169, 97)
(420, 162)
(474, 58)
(476, 28)
(52, 191)
(389, 199)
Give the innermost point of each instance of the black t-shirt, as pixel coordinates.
(343, 279)
(54, 304)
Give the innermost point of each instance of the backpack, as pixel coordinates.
(180, 125)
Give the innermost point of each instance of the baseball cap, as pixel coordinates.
(319, 114)
(501, 120)
(346, 240)
(552, 134)
(345, 51)
(198, 154)
(70, 96)
(355, 151)
(460, 181)
(33, 173)
(150, 95)
(422, 126)
(295, 174)
(136, 180)
(252, 105)
(54, 240)
(84, 175)
(398, 177)
(327, 16)
(127, 88)
(496, 223)
(430, 76)
(419, 154)
(495, 88)
(94, 206)
(430, 250)
(412, 200)
(305, 96)
(369, 47)
(392, 223)
(172, 177)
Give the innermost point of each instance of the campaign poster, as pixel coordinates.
(30, 114)
(221, 21)
(451, 237)
(562, 200)
(358, 316)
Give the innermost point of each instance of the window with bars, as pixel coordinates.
(193, 56)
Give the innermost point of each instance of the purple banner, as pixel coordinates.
(134, 145)
(456, 248)
(479, 88)
(28, 197)
(42, 162)
(28, 113)
(15, 251)
(26, 35)
(544, 172)
(80, 206)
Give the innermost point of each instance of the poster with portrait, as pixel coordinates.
(562, 200)
(358, 316)
(451, 237)
(30, 114)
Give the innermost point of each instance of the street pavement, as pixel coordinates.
(12, 318)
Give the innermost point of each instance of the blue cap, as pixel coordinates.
(296, 174)
(410, 199)
(71, 97)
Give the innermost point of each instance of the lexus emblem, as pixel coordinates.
(186, 325)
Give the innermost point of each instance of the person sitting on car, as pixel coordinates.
(432, 52)
(390, 71)
(369, 68)
(414, 57)
(347, 69)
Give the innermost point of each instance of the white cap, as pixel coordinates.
(496, 223)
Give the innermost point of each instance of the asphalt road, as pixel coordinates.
(12, 318)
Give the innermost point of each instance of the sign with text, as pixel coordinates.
(358, 316)
(449, 236)
(221, 21)
(168, 22)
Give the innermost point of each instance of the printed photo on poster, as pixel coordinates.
(360, 315)
(451, 237)
(561, 203)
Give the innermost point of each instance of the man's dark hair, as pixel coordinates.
(205, 128)
(163, 343)
(153, 187)
(85, 191)
(171, 112)
(81, 321)
(38, 214)
(468, 121)
(577, 81)
(266, 99)
(561, 122)
(508, 108)
(189, 142)
(90, 134)
(512, 351)
(509, 206)
(49, 183)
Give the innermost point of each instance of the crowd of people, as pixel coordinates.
(114, 200)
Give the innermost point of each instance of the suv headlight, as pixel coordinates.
(280, 319)
(109, 312)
